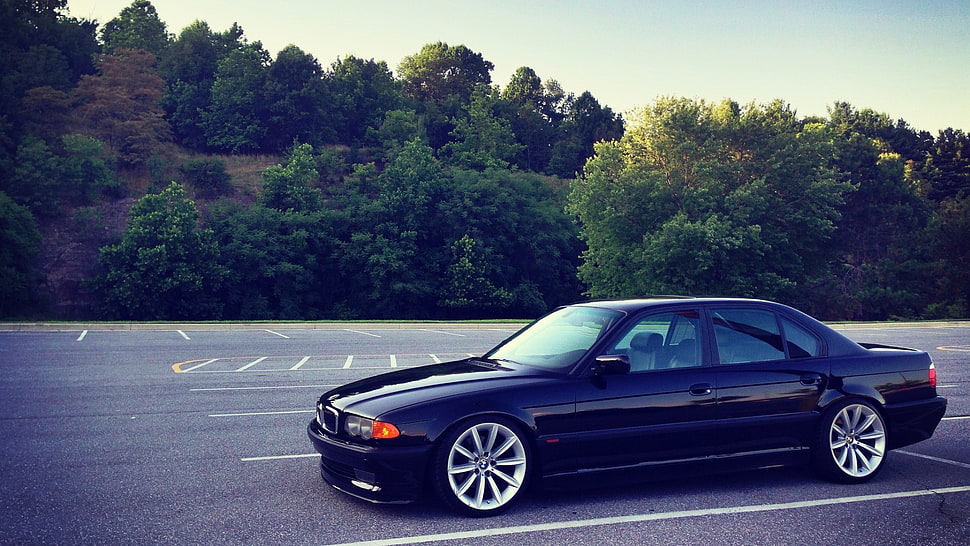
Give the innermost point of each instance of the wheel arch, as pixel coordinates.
(521, 425)
(848, 391)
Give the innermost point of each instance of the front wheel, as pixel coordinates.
(851, 442)
(481, 467)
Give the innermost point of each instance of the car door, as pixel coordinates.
(770, 373)
(663, 409)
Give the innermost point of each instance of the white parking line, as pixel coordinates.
(81, 337)
(441, 332)
(251, 364)
(393, 361)
(264, 388)
(349, 361)
(278, 334)
(639, 518)
(278, 457)
(362, 333)
(197, 366)
(932, 458)
(255, 413)
(435, 358)
(181, 333)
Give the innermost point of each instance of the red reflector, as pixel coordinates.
(933, 375)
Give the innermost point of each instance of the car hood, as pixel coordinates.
(376, 395)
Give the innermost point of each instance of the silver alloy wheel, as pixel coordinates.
(486, 466)
(857, 440)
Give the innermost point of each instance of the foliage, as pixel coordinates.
(136, 27)
(482, 139)
(121, 105)
(19, 244)
(361, 95)
(208, 177)
(279, 263)
(290, 187)
(435, 194)
(704, 199)
(234, 118)
(165, 267)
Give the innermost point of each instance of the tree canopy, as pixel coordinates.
(341, 189)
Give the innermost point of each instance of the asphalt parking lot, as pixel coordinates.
(192, 435)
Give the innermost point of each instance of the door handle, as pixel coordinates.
(811, 379)
(701, 389)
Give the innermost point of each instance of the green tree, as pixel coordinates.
(207, 176)
(440, 71)
(165, 267)
(525, 245)
(950, 235)
(530, 116)
(136, 27)
(189, 68)
(33, 182)
(395, 248)
(290, 187)
(86, 171)
(280, 264)
(361, 94)
(948, 166)
(441, 79)
(467, 286)
(587, 123)
(19, 244)
(701, 199)
(880, 267)
(295, 96)
(482, 139)
(234, 122)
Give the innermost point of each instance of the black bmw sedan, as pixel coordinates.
(631, 385)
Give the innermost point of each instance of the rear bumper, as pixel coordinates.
(394, 474)
(913, 422)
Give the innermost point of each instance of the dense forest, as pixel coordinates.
(146, 175)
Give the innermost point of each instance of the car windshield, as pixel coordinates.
(558, 340)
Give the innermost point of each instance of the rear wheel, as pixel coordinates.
(481, 467)
(852, 442)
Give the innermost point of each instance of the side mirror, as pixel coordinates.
(612, 365)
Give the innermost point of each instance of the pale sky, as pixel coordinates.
(908, 59)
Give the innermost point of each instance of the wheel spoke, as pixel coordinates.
(466, 485)
(871, 449)
(490, 444)
(477, 440)
(512, 482)
(480, 493)
(462, 468)
(867, 424)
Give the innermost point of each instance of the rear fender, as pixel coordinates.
(850, 390)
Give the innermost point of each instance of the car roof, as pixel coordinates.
(636, 304)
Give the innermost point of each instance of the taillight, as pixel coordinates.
(933, 375)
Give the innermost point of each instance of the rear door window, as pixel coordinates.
(747, 335)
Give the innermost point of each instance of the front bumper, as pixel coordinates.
(393, 474)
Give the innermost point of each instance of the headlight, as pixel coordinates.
(367, 429)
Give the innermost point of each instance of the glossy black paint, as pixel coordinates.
(591, 417)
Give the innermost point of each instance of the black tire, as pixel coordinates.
(481, 467)
(852, 442)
